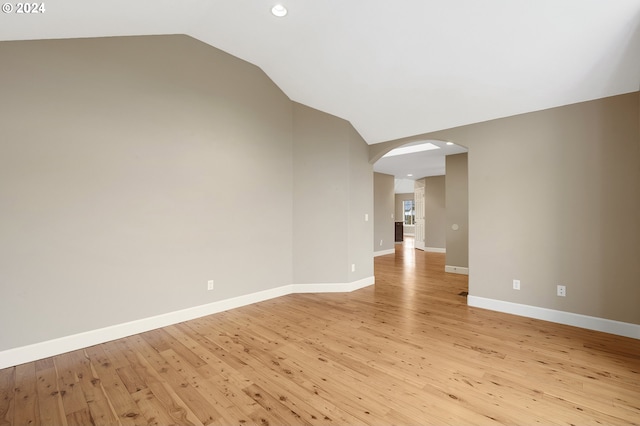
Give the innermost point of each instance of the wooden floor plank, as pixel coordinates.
(49, 398)
(307, 407)
(118, 395)
(7, 390)
(69, 367)
(155, 412)
(81, 417)
(405, 351)
(196, 402)
(166, 385)
(26, 401)
(274, 405)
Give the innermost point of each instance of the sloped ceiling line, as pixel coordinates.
(397, 69)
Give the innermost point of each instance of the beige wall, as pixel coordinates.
(434, 213)
(332, 193)
(457, 201)
(114, 200)
(360, 206)
(120, 162)
(384, 217)
(319, 227)
(554, 198)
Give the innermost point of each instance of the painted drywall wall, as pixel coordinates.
(333, 190)
(320, 184)
(434, 213)
(457, 211)
(114, 164)
(134, 169)
(360, 208)
(384, 217)
(554, 198)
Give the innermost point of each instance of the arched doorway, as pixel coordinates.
(439, 195)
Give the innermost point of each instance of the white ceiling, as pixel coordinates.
(392, 68)
(419, 164)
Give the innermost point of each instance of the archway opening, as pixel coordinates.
(430, 199)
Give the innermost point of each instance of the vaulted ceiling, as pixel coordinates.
(392, 68)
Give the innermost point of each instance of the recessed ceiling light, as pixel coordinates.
(449, 143)
(279, 10)
(411, 149)
(410, 175)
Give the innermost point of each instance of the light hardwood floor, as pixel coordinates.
(405, 351)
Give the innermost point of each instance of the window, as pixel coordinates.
(409, 212)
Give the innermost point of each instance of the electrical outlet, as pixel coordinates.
(562, 291)
(353, 267)
(516, 284)
(210, 285)
(380, 242)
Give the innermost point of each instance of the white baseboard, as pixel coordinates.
(435, 249)
(36, 351)
(333, 287)
(457, 269)
(384, 252)
(577, 320)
